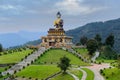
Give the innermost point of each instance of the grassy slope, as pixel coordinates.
(63, 77)
(105, 61)
(38, 71)
(14, 57)
(78, 73)
(112, 74)
(2, 69)
(54, 56)
(83, 52)
(90, 74)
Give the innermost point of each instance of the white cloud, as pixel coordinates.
(6, 7)
(75, 7)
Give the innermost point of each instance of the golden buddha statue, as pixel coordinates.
(58, 23)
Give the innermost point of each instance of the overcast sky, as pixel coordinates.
(38, 15)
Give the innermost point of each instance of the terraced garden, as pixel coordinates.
(46, 65)
(63, 77)
(111, 74)
(53, 56)
(14, 57)
(38, 71)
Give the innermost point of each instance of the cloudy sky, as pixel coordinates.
(38, 15)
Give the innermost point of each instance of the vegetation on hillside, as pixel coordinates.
(111, 73)
(53, 56)
(91, 46)
(64, 63)
(63, 77)
(1, 48)
(14, 56)
(103, 28)
(106, 49)
(38, 71)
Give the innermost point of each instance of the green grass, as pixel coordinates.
(14, 57)
(63, 77)
(90, 74)
(105, 61)
(112, 74)
(54, 56)
(83, 52)
(2, 69)
(76, 72)
(38, 71)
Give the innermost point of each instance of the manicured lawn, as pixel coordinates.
(54, 55)
(78, 73)
(38, 71)
(105, 61)
(90, 74)
(83, 52)
(14, 57)
(112, 74)
(63, 77)
(2, 69)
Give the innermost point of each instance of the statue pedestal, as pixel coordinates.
(56, 38)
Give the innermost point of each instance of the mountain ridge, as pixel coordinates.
(102, 28)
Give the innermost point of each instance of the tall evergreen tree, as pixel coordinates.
(98, 39)
(119, 62)
(92, 46)
(1, 48)
(110, 40)
(83, 40)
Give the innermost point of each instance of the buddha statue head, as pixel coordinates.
(58, 15)
(58, 23)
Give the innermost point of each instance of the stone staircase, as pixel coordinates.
(27, 61)
(77, 54)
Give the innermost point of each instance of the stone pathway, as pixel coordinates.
(25, 62)
(96, 68)
(84, 74)
(75, 77)
(96, 55)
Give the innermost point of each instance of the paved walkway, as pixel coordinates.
(96, 68)
(25, 62)
(75, 77)
(96, 55)
(84, 74)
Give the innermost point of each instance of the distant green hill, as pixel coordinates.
(35, 42)
(102, 28)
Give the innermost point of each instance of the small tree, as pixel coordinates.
(1, 48)
(83, 40)
(92, 46)
(64, 64)
(110, 40)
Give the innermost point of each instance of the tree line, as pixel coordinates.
(96, 43)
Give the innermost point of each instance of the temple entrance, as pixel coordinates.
(51, 43)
